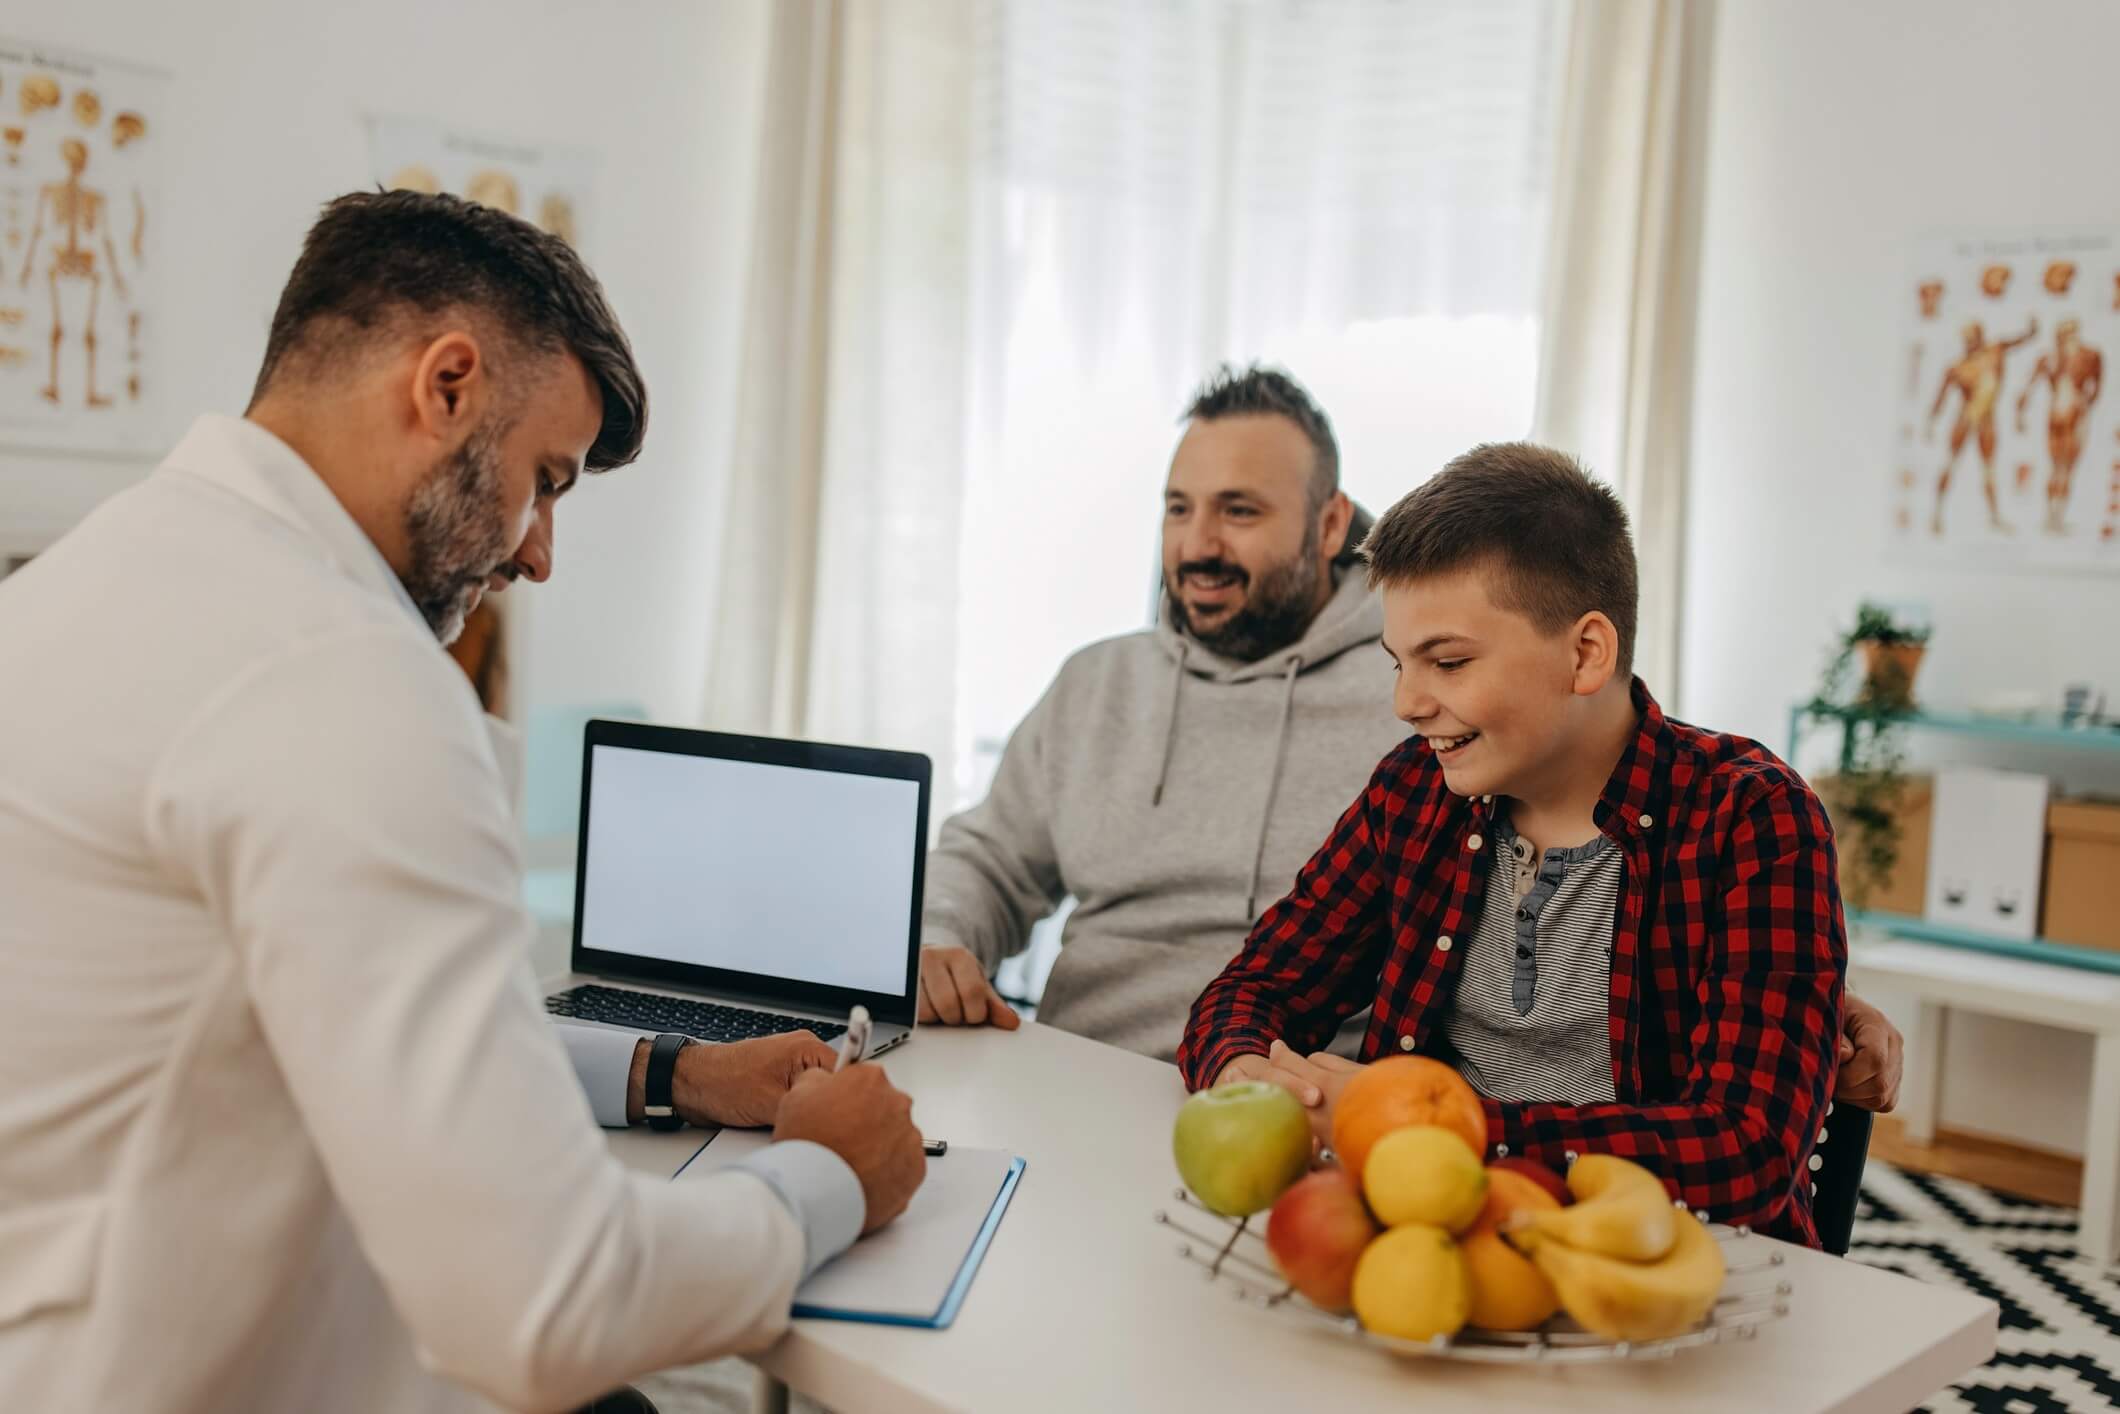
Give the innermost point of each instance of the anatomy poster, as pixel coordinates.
(547, 186)
(2007, 448)
(80, 203)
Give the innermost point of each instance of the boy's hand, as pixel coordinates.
(1315, 1080)
(1870, 1060)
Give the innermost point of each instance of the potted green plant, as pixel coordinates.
(1891, 656)
(1866, 795)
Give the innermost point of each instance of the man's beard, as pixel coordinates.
(455, 529)
(1276, 612)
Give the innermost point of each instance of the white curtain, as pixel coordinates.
(838, 595)
(1616, 366)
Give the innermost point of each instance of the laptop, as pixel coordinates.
(730, 886)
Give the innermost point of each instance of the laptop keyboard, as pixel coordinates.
(650, 1011)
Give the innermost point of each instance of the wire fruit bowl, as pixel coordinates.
(1231, 1253)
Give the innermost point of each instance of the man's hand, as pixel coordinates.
(742, 1083)
(857, 1115)
(1315, 1080)
(954, 991)
(736, 1083)
(1869, 1058)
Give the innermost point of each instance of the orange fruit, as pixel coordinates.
(1401, 1091)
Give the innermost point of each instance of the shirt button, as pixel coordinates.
(1442, 944)
(1406, 1042)
(1570, 1155)
(1501, 1151)
(1473, 842)
(1821, 1136)
(1647, 821)
(1818, 1161)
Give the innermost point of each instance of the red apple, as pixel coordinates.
(1317, 1233)
(1541, 1175)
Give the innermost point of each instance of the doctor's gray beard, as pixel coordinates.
(455, 531)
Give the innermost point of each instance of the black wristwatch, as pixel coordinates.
(656, 1102)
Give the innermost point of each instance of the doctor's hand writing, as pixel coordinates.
(739, 1083)
(858, 1115)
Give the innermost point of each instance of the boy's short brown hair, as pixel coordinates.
(1554, 538)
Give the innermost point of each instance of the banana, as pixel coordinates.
(1629, 1220)
(1623, 1300)
(1593, 1175)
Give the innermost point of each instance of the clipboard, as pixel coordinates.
(916, 1271)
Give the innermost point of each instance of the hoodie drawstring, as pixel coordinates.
(1273, 787)
(1170, 724)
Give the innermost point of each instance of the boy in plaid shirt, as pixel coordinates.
(1624, 930)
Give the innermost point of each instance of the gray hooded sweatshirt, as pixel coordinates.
(1175, 794)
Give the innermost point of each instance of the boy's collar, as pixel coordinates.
(1627, 807)
(1628, 804)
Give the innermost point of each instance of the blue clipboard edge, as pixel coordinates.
(955, 1297)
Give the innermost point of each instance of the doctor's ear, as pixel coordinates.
(449, 383)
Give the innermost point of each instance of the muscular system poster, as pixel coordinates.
(2006, 445)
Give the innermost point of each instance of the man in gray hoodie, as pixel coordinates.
(1175, 780)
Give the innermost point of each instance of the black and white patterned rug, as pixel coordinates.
(2057, 1345)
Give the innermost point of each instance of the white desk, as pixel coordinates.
(1083, 1304)
(1942, 978)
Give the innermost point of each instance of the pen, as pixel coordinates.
(855, 1043)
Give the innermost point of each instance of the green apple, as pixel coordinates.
(1239, 1146)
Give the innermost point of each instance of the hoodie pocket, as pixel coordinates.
(48, 1254)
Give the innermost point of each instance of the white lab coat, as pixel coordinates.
(282, 1124)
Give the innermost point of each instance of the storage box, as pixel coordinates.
(2082, 903)
(1907, 886)
(1986, 848)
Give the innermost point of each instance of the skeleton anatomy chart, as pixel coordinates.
(2006, 451)
(544, 185)
(80, 165)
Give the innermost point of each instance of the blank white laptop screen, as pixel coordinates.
(776, 871)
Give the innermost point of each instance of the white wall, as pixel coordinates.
(268, 97)
(1838, 132)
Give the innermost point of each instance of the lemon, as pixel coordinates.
(1411, 1283)
(1424, 1174)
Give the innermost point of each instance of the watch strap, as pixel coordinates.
(657, 1102)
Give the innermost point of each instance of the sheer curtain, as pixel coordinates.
(1616, 375)
(836, 615)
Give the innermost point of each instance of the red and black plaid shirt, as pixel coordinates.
(1728, 954)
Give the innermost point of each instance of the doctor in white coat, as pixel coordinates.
(282, 1122)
